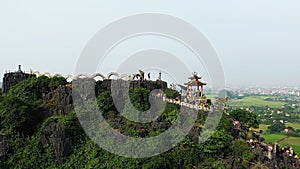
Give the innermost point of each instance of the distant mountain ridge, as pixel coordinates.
(0, 84)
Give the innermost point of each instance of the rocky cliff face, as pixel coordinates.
(11, 79)
(54, 136)
(57, 137)
(4, 147)
(59, 101)
(147, 84)
(278, 160)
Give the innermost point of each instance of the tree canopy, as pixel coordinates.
(20, 109)
(245, 117)
(277, 127)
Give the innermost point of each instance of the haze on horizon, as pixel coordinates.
(257, 41)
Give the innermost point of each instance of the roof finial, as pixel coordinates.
(20, 70)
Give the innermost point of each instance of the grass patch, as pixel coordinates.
(286, 140)
(272, 138)
(263, 127)
(257, 101)
(294, 125)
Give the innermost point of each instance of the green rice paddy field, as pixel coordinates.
(257, 101)
(283, 139)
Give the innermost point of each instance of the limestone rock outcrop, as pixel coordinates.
(59, 101)
(4, 147)
(54, 135)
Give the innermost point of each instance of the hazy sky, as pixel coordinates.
(258, 41)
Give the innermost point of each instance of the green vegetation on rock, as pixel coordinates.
(39, 135)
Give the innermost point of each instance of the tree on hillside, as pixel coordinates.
(172, 94)
(36, 87)
(242, 153)
(140, 98)
(57, 81)
(105, 102)
(18, 116)
(218, 142)
(19, 109)
(276, 127)
(245, 117)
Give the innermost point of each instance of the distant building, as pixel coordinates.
(12, 78)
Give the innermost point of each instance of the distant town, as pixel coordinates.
(273, 91)
(271, 104)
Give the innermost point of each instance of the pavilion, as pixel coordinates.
(195, 82)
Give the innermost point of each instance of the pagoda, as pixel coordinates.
(194, 82)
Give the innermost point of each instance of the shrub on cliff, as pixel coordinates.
(276, 128)
(172, 94)
(245, 117)
(17, 115)
(20, 109)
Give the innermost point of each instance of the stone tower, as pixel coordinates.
(12, 78)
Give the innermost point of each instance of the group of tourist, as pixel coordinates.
(273, 154)
(288, 151)
(285, 154)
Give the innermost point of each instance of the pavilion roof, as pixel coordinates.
(195, 83)
(195, 77)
